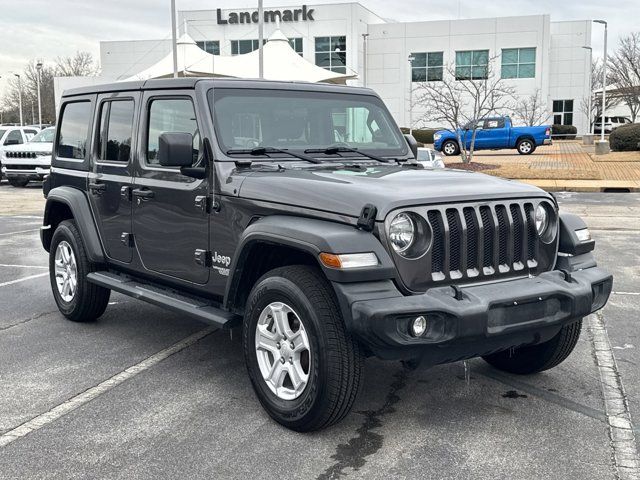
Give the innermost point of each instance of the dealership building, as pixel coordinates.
(532, 53)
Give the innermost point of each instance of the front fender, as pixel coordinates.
(78, 204)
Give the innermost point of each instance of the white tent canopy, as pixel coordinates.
(281, 62)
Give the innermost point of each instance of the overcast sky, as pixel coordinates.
(49, 28)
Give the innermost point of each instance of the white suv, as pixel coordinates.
(610, 123)
(29, 161)
(12, 135)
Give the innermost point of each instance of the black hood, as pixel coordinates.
(346, 191)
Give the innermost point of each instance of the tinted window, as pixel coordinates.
(494, 123)
(175, 115)
(72, 142)
(116, 128)
(14, 138)
(45, 136)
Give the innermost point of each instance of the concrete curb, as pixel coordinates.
(585, 185)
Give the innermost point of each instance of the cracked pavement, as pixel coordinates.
(194, 415)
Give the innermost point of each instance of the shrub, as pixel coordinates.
(422, 135)
(564, 132)
(625, 138)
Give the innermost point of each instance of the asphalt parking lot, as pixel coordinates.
(189, 412)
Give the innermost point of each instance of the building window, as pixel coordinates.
(239, 47)
(331, 53)
(563, 112)
(210, 46)
(426, 67)
(296, 44)
(518, 62)
(472, 64)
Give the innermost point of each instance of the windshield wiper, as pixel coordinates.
(260, 151)
(335, 150)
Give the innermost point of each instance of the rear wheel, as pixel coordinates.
(450, 148)
(525, 146)
(304, 366)
(77, 299)
(537, 358)
(18, 181)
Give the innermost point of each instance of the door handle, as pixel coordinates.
(143, 193)
(97, 187)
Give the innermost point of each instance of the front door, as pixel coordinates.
(169, 224)
(111, 176)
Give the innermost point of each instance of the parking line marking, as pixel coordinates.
(18, 280)
(68, 406)
(22, 266)
(19, 231)
(621, 432)
(626, 293)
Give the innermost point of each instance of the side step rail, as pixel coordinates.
(198, 309)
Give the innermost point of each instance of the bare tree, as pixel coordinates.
(597, 67)
(624, 66)
(461, 100)
(81, 64)
(531, 110)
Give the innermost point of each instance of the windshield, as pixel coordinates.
(45, 136)
(300, 120)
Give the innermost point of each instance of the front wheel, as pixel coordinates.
(526, 146)
(304, 366)
(537, 358)
(450, 148)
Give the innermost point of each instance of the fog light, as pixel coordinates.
(418, 326)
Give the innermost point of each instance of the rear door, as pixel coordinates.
(170, 227)
(110, 181)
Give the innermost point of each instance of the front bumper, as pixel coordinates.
(19, 171)
(477, 319)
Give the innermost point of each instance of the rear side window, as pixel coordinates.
(175, 115)
(116, 129)
(72, 142)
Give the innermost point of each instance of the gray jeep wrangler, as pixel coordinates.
(298, 213)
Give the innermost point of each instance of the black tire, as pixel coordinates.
(526, 146)
(335, 360)
(537, 358)
(89, 301)
(18, 181)
(450, 148)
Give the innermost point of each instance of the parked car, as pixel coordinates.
(494, 134)
(13, 135)
(429, 158)
(321, 253)
(29, 161)
(610, 123)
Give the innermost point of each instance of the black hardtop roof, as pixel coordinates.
(190, 82)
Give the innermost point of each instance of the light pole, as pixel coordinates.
(410, 59)
(260, 40)
(174, 41)
(364, 59)
(38, 72)
(20, 97)
(604, 79)
(589, 106)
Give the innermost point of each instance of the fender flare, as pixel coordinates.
(311, 236)
(78, 203)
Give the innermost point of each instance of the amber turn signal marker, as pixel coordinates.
(330, 260)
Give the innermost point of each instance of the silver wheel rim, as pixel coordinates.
(449, 148)
(66, 271)
(525, 147)
(283, 351)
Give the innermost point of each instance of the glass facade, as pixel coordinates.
(210, 46)
(518, 62)
(427, 66)
(472, 64)
(331, 53)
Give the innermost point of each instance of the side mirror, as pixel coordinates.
(175, 149)
(413, 144)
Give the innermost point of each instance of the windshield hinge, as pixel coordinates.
(367, 218)
(203, 257)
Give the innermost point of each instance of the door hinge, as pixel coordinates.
(126, 239)
(204, 203)
(203, 257)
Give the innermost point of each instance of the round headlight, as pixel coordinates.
(401, 232)
(541, 219)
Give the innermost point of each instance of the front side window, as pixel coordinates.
(14, 138)
(240, 47)
(331, 53)
(303, 120)
(472, 64)
(175, 115)
(210, 46)
(72, 141)
(563, 112)
(427, 67)
(116, 130)
(518, 62)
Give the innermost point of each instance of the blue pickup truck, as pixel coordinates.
(494, 134)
